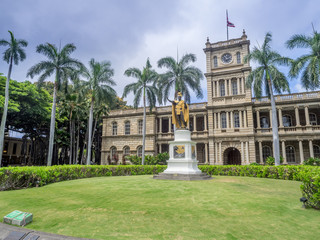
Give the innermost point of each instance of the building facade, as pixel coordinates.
(232, 127)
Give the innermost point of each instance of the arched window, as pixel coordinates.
(238, 58)
(234, 87)
(266, 152)
(140, 126)
(223, 120)
(139, 151)
(236, 120)
(287, 121)
(215, 61)
(264, 123)
(114, 128)
(222, 89)
(313, 119)
(127, 128)
(316, 151)
(113, 153)
(126, 151)
(290, 154)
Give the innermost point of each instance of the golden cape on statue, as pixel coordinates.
(180, 112)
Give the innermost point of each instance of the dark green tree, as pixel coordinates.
(13, 54)
(180, 77)
(308, 64)
(149, 92)
(267, 76)
(60, 64)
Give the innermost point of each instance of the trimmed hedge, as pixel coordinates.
(26, 177)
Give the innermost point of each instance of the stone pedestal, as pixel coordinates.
(182, 164)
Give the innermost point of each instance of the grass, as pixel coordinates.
(138, 207)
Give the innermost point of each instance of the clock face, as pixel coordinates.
(226, 58)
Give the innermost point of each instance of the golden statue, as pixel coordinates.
(180, 112)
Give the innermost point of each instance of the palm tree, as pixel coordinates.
(99, 89)
(268, 77)
(145, 77)
(61, 64)
(180, 76)
(13, 54)
(309, 63)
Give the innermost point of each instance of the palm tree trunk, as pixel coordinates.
(144, 125)
(74, 141)
(90, 133)
(71, 142)
(52, 123)
(5, 110)
(275, 133)
(78, 141)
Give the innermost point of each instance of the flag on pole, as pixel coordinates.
(229, 24)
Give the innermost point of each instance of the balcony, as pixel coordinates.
(289, 97)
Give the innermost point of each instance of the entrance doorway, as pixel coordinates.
(232, 156)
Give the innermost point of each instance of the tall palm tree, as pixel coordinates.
(180, 76)
(13, 54)
(309, 63)
(99, 89)
(141, 87)
(61, 64)
(267, 76)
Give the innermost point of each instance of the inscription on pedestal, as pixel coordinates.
(179, 151)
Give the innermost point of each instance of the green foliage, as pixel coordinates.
(254, 164)
(312, 162)
(270, 160)
(160, 159)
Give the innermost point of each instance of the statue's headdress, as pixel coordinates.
(179, 94)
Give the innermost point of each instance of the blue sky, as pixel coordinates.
(127, 32)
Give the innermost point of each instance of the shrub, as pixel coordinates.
(254, 164)
(312, 162)
(270, 160)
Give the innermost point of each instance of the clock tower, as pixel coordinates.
(231, 136)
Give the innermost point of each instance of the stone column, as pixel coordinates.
(205, 122)
(311, 148)
(242, 153)
(215, 116)
(238, 85)
(218, 89)
(194, 123)
(258, 119)
(230, 87)
(213, 88)
(247, 152)
(284, 155)
(219, 120)
(270, 114)
(245, 118)
(243, 86)
(240, 119)
(216, 151)
(170, 129)
(306, 109)
(225, 87)
(227, 119)
(160, 125)
(296, 110)
(301, 152)
(260, 152)
(280, 118)
(160, 148)
(220, 153)
(206, 152)
(231, 120)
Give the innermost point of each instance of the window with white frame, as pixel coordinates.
(313, 119)
(316, 151)
(215, 61)
(223, 120)
(287, 121)
(140, 126)
(290, 154)
(127, 128)
(126, 151)
(139, 151)
(238, 58)
(264, 123)
(236, 119)
(266, 152)
(234, 87)
(222, 89)
(114, 128)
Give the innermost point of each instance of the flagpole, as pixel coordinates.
(227, 25)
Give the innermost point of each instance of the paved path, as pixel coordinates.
(8, 232)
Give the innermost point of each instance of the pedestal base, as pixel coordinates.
(184, 177)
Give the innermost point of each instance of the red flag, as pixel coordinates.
(229, 24)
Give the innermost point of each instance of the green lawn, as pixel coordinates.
(138, 207)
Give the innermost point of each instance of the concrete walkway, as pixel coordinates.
(8, 232)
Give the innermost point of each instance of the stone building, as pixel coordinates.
(232, 127)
